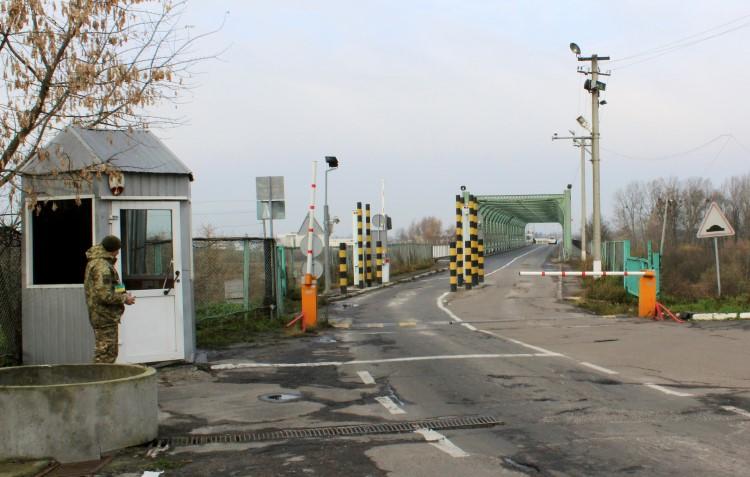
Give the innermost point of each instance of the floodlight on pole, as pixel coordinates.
(584, 124)
(575, 49)
(333, 164)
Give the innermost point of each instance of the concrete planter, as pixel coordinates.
(75, 412)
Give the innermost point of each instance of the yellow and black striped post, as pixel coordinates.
(368, 246)
(459, 241)
(474, 237)
(481, 260)
(343, 272)
(360, 247)
(379, 262)
(469, 279)
(453, 272)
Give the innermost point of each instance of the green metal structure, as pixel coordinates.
(503, 218)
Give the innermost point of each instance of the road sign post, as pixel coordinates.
(715, 225)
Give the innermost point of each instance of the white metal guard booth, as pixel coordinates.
(149, 209)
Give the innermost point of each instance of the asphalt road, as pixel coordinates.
(561, 417)
(578, 395)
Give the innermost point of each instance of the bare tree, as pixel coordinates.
(92, 63)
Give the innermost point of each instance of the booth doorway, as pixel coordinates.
(150, 267)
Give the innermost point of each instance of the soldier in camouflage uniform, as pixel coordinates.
(105, 297)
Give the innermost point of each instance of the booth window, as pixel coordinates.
(147, 247)
(61, 232)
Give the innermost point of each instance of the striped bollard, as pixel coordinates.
(459, 241)
(379, 262)
(453, 268)
(469, 272)
(368, 247)
(343, 272)
(481, 260)
(360, 247)
(474, 237)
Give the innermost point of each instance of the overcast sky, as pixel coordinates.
(432, 95)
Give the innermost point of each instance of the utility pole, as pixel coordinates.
(583, 200)
(593, 86)
(664, 226)
(333, 164)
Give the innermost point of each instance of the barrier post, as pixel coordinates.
(481, 260)
(453, 273)
(379, 262)
(469, 272)
(309, 289)
(474, 236)
(647, 295)
(360, 248)
(459, 241)
(368, 247)
(343, 272)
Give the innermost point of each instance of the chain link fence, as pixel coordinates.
(10, 296)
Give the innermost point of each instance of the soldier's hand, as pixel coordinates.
(129, 299)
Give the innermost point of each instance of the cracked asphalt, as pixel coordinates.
(577, 394)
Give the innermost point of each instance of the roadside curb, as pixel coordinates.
(358, 292)
(716, 316)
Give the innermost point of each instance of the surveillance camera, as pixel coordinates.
(336, 220)
(570, 186)
(463, 188)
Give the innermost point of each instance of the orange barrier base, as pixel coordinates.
(647, 295)
(309, 303)
(662, 313)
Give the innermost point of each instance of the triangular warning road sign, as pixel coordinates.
(715, 224)
(316, 226)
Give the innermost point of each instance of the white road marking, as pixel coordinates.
(391, 406)
(366, 377)
(441, 442)
(736, 410)
(451, 314)
(470, 327)
(508, 264)
(599, 368)
(545, 352)
(666, 390)
(227, 366)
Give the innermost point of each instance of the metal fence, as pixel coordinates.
(616, 257)
(10, 297)
(232, 275)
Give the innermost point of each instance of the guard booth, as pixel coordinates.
(89, 184)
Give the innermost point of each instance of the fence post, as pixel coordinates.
(474, 236)
(246, 275)
(280, 278)
(481, 260)
(343, 271)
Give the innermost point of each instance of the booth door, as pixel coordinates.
(149, 266)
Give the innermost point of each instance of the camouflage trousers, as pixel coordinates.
(106, 344)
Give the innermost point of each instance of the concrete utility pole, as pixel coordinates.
(664, 226)
(594, 86)
(583, 200)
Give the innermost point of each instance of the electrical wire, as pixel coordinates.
(679, 47)
(676, 42)
(668, 156)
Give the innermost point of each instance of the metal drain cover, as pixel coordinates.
(281, 397)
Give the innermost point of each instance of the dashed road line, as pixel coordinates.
(737, 410)
(438, 440)
(598, 368)
(391, 406)
(666, 390)
(366, 377)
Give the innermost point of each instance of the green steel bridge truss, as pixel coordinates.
(503, 218)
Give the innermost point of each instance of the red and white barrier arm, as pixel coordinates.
(311, 219)
(554, 273)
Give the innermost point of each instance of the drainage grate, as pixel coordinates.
(437, 424)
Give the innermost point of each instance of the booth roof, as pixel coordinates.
(76, 148)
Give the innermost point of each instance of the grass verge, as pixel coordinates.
(607, 296)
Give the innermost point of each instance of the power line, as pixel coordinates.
(668, 156)
(689, 37)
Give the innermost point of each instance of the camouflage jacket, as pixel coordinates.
(106, 306)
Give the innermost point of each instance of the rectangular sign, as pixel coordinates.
(269, 188)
